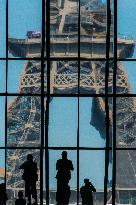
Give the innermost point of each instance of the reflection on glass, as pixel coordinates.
(92, 133)
(92, 77)
(92, 167)
(15, 158)
(125, 121)
(24, 121)
(24, 76)
(25, 28)
(125, 176)
(93, 29)
(3, 28)
(2, 121)
(2, 166)
(109, 181)
(2, 76)
(64, 28)
(126, 29)
(126, 78)
(64, 77)
(53, 157)
(63, 119)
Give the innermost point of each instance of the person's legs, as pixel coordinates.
(66, 194)
(34, 191)
(58, 193)
(28, 191)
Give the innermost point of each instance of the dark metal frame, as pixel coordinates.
(44, 129)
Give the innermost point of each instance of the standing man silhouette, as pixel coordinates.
(30, 177)
(87, 193)
(64, 168)
(20, 200)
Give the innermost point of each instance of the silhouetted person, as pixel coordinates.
(20, 200)
(64, 168)
(87, 193)
(30, 177)
(3, 195)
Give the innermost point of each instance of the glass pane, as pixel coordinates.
(92, 77)
(2, 166)
(92, 130)
(2, 121)
(92, 167)
(125, 176)
(64, 77)
(15, 182)
(63, 119)
(93, 29)
(25, 28)
(126, 29)
(3, 28)
(24, 121)
(24, 76)
(125, 122)
(54, 156)
(2, 76)
(109, 183)
(64, 28)
(126, 78)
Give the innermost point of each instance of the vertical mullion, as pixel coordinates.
(47, 150)
(42, 101)
(48, 45)
(106, 151)
(48, 98)
(114, 106)
(108, 22)
(78, 134)
(5, 141)
(6, 93)
(78, 157)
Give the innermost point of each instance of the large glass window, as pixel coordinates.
(67, 83)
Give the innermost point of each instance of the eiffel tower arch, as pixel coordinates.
(24, 111)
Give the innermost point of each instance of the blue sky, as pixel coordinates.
(2, 28)
(127, 19)
(27, 16)
(65, 134)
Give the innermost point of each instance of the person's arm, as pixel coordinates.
(71, 166)
(81, 192)
(22, 166)
(57, 165)
(93, 188)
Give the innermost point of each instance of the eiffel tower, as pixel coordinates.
(24, 112)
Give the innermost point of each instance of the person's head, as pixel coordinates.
(64, 155)
(29, 157)
(20, 194)
(86, 181)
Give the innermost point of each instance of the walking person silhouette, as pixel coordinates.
(20, 200)
(86, 192)
(64, 168)
(30, 177)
